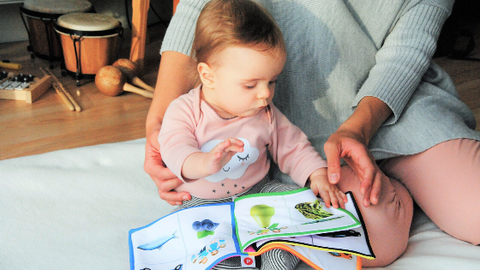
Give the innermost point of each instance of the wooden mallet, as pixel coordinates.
(111, 82)
(130, 69)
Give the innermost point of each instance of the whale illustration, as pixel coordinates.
(157, 243)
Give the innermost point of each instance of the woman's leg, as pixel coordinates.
(445, 182)
(388, 222)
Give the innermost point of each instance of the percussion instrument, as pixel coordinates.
(111, 82)
(129, 68)
(89, 41)
(39, 17)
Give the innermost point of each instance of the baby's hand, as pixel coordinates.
(222, 153)
(330, 194)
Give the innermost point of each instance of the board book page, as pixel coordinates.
(200, 237)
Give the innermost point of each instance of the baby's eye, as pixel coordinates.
(243, 158)
(250, 86)
(272, 82)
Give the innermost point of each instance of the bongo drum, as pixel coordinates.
(89, 41)
(39, 17)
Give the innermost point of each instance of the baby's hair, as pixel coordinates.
(224, 23)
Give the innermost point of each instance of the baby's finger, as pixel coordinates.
(334, 199)
(326, 198)
(221, 146)
(236, 145)
(342, 199)
(236, 141)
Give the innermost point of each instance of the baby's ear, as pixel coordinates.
(206, 74)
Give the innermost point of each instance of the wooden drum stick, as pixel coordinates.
(59, 91)
(64, 90)
(63, 97)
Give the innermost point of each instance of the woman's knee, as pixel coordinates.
(388, 222)
(445, 181)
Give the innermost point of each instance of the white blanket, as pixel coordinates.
(72, 209)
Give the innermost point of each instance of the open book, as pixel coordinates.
(200, 237)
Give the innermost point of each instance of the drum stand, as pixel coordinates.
(78, 57)
(47, 21)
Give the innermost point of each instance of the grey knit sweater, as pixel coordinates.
(340, 51)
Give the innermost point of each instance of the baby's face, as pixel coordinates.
(244, 80)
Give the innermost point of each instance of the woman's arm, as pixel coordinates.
(400, 65)
(405, 55)
(174, 79)
(350, 142)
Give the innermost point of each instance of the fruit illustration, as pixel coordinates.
(312, 210)
(262, 214)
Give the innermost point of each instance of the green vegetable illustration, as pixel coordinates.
(262, 214)
(312, 210)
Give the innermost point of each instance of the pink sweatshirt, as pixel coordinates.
(190, 125)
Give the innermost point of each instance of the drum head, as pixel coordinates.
(87, 24)
(57, 6)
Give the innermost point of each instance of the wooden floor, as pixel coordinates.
(46, 125)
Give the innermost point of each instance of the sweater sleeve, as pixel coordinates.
(405, 55)
(181, 30)
(177, 135)
(292, 151)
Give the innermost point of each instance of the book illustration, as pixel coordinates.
(204, 237)
(312, 210)
(157, 243)
(347, 233)
(216, 244)
(291, 213)
(200, 237)
(341, 255)
(204, 228)
(213, 249)
(263, 215)
(272, 228)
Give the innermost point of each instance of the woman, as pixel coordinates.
(359, 81)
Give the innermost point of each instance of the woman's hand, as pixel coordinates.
(350, 142)
(352, 148)
(164, 179)
(174, 79)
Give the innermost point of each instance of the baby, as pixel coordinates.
(221, 136)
